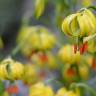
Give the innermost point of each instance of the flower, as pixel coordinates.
(11, 70)
(66, 54)
(35, 38)
(64, 92)
(40, 89)
(46, 59)
(78, 26)
(30, 74)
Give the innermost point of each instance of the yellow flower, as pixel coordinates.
(49, 91)
(39, 59)
(3, 72)
(52, 64)
(45, 60)
(64, 92)
(61, 92)
(80, 24)
(30, 74)
(69, 74)
(40, 89)
(83, 71)
(91, 46)
(66, 54)
(71, 93)
(16, 70)
(87, 2)
(35, 38)
(3, 68)
(10, 69)
(88, 59)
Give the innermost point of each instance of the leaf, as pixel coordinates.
(2, 88)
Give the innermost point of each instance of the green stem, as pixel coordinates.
(92, 7)
(77, 71)
(2, 88)
(89, 7)
(25, 22)
(83, 85)
(89, 38)
(18, 47)
(53, 79)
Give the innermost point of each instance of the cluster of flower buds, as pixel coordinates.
(36, 38)
(13, 70)
(66, 54)
(40, 89)
(72, 67)
(43, 60)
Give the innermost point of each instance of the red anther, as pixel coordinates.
(75, 48)
(94, 64)
(81, 50)
(13, 90)
(85, 45)
(43, 58)
(71, 72)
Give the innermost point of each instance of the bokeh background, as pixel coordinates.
(12, 16)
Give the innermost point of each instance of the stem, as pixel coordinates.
(83, 85)
(89, 7)
(18, 47)
(89, 38)
(77, 71)
(2, 88)
(53, 79)
(92, 7)
(25, 22)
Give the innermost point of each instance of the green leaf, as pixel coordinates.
(92, 7)
(2, 88)
(85, 86)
